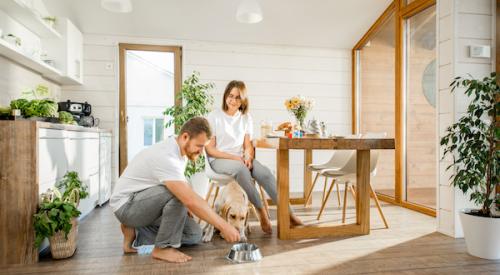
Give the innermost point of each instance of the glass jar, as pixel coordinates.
(266, 128)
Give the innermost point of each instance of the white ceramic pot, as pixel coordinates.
(481, 235)
(199, 183)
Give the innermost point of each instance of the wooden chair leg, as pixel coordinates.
(353, 193)
(264, 201)
(215, 197)
(254, 212)
(345, 201)
(378, 206)
(308, 196)
(207, 197)
(210, 189)
(324, 190)
(338, 193)
(325, 200)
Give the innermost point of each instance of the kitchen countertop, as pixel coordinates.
(48, 125)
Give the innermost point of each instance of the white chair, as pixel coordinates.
(338, 160)
(347, 173)
(221, 180)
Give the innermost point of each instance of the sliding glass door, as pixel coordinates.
(420, 108)
(376, 69)
(394, 91)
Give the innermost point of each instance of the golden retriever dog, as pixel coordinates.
(232, 205)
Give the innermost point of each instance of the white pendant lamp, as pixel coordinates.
(249, 12)
(118, 6)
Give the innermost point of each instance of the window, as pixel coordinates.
(153, 130)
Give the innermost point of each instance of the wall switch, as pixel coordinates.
(479, 51)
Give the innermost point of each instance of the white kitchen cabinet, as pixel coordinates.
(67, 52)
(105, 167)
(60, 151)
(63, 43)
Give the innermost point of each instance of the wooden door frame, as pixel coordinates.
(401, 11)
(123, 47)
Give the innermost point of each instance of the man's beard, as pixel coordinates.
(190, 155)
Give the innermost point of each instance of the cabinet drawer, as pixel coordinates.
(82, 135)
(51, 133)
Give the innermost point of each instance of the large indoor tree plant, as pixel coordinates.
(473, 143)
(195, 101)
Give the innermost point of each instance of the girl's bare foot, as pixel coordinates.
(265, 223)
(170, 255)
(128, 239)
(295, 221)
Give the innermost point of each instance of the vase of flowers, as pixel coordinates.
(298, 106)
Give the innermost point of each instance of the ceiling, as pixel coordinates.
(316, 23)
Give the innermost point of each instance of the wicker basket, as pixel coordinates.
(62, 248)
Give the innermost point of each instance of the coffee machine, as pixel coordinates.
(81, 112)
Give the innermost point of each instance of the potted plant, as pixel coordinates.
(196, 101)
(56, 216)
(13, 39)
(473, 143)
(50, 20)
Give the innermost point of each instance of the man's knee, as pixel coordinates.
(174, 205)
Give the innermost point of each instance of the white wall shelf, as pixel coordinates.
(15, 54)
(29, 19)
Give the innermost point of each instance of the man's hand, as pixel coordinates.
(230, 234)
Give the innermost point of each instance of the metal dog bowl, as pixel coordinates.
(244, 253)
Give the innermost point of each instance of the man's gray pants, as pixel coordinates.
(159, 218)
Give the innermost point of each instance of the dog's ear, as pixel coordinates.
(225, 211)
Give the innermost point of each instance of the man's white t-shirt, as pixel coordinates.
(152, 166)
(229, 131)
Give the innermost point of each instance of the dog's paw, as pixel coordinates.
(208, 234)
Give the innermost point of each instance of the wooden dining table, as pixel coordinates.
(361, 145)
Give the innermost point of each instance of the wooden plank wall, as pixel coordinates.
(272, 74)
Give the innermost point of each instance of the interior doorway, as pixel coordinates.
(150, 77)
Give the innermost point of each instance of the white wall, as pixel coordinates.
(272, 73)
(460, 23)
(15, 78)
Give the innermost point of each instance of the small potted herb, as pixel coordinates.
(12, 39)
(50, 20)
(57, 215)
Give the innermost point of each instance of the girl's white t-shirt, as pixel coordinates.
(229, 131)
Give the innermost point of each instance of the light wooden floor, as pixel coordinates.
(422, 196)
(410, 246)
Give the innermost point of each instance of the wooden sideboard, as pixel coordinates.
(33, 157)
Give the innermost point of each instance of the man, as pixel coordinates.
(152, 195)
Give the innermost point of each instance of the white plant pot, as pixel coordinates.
(199, 183)
(481, 235)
